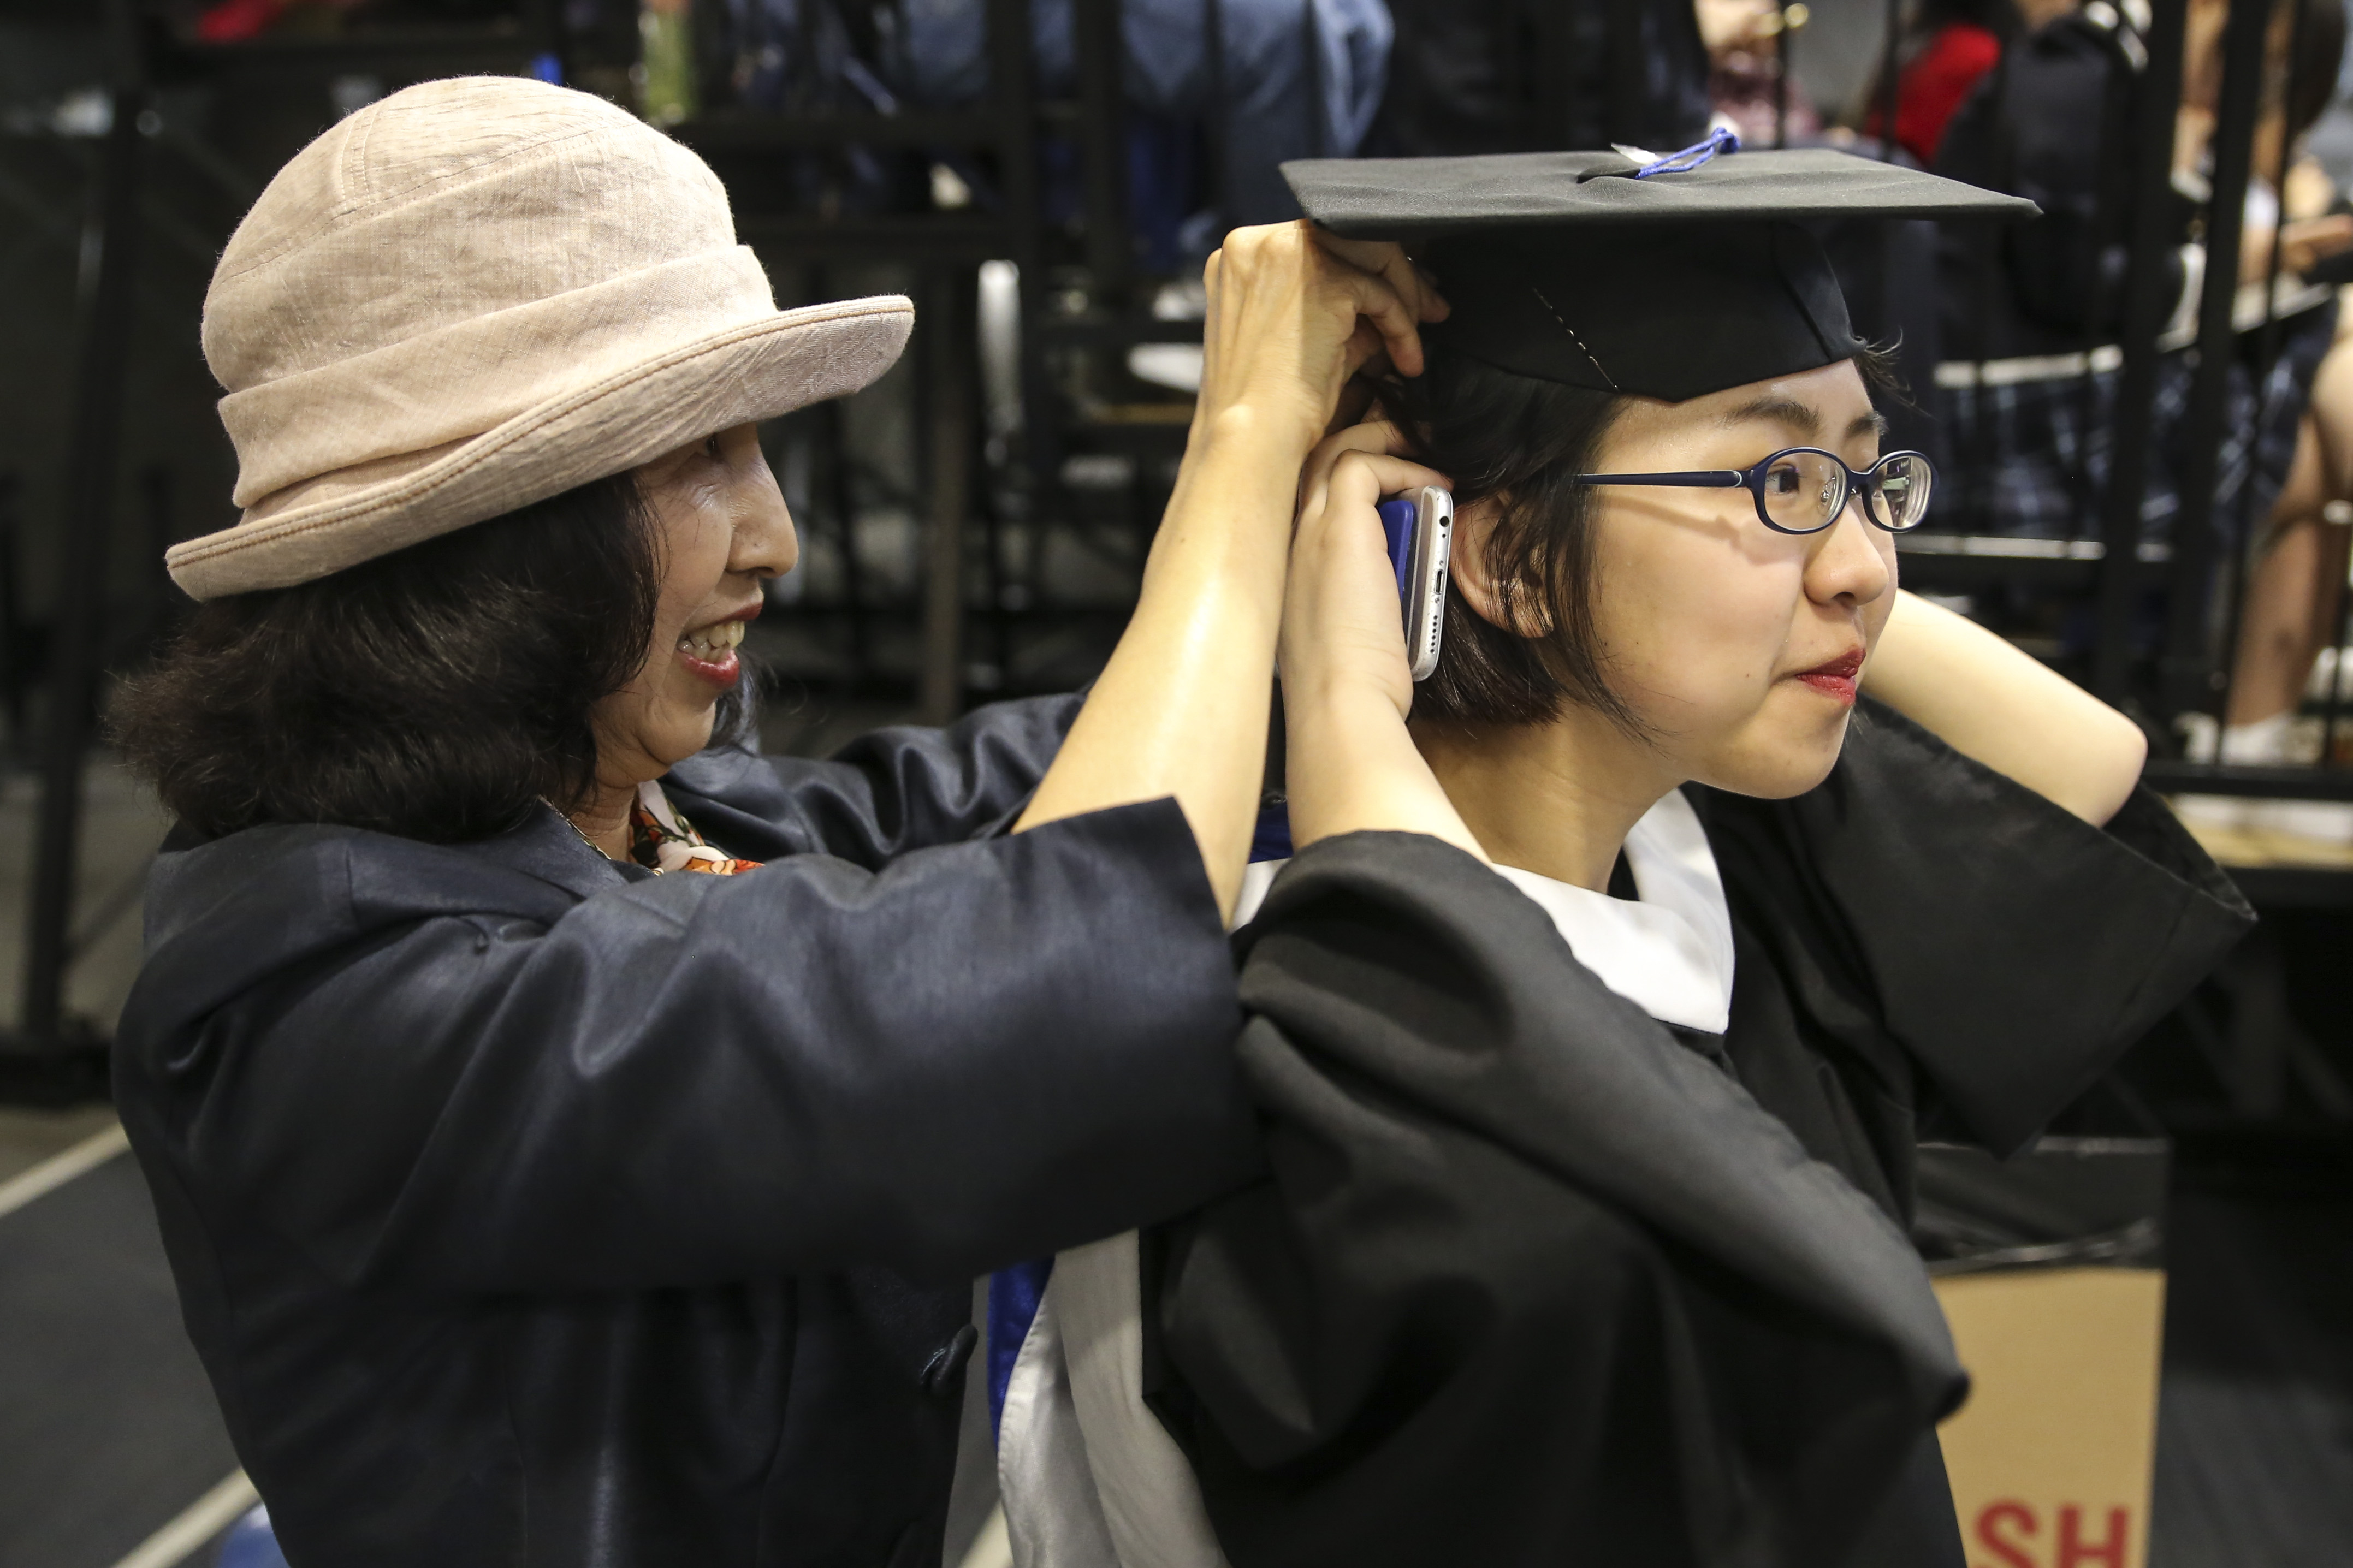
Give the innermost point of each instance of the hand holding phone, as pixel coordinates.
(1351, 763)
(1419, 525)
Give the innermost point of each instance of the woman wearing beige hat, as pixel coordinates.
(572, 1136)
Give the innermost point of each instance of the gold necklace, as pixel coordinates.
(574, 827)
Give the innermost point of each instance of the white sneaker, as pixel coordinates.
(2266, 742)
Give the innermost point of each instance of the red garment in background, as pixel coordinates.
(1933, 87)
(234, 21)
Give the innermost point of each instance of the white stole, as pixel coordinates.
(1090, 1478)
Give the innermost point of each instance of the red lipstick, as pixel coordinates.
(1838, 679)
(710, 650)
(721, 672)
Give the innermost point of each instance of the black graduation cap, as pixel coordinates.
(1665, 275)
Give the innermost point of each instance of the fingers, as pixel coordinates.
(1357, 478)
(1316, 473)
(1380, 438)
(1364, 477)
(1390, 319)
(1341, 625)
(1386, 260)
(1391, 296)
(1404, 297)
(1367, 353)
(1289, 313)
(1374, 435)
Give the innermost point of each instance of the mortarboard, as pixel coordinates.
(1669, 277)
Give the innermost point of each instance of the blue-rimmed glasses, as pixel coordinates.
(1802, 489)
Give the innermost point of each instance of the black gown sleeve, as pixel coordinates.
(982, 1052)
(2011, 949)
(1528, 1281)
(890, 791)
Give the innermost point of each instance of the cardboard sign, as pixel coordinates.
(2051, 1457)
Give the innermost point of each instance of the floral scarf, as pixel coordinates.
(662, 840)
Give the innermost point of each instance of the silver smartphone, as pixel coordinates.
(1421, 528)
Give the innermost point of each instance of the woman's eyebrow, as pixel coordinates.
(1784, 411)
(1872, 424)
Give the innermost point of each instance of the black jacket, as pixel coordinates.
(529, 1209)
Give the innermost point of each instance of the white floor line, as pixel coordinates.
(58, 1169)
(203, 1519)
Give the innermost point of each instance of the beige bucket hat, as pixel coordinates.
(476, 294)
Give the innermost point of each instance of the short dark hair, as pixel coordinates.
(1522, 443)
(435, 692)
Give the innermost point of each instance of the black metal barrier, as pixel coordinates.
(51, 1056)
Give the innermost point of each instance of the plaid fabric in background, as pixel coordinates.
(2031, 460)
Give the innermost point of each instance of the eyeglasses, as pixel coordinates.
(1803, 490)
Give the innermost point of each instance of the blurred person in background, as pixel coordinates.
(2030, 317)
(2295, 584)
(2030, 321)
(1946, 47)
(1745, 85)
(1294, 78)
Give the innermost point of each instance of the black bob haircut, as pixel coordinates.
(1523, 442)
(436, 692)
(1520, 442)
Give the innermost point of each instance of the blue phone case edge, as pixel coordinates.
(1397, 523)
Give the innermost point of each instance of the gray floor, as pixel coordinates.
(29, 1137)
(2255, 1462)
(108, 1429)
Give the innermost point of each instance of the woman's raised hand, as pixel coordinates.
(1181, 709)
(1342, 625)
(1294, 312)
(1347, 687)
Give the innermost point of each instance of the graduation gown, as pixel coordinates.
(1536, 1277)
(527, 1209)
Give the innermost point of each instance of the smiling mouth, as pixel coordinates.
(713, 642)
(710, 652)
(1838, 678)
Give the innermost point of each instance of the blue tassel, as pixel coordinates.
(1720, 140)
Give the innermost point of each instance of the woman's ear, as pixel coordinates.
(1469, 562)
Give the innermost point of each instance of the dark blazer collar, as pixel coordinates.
(548, 847)
(377, 873)
(223, 913)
